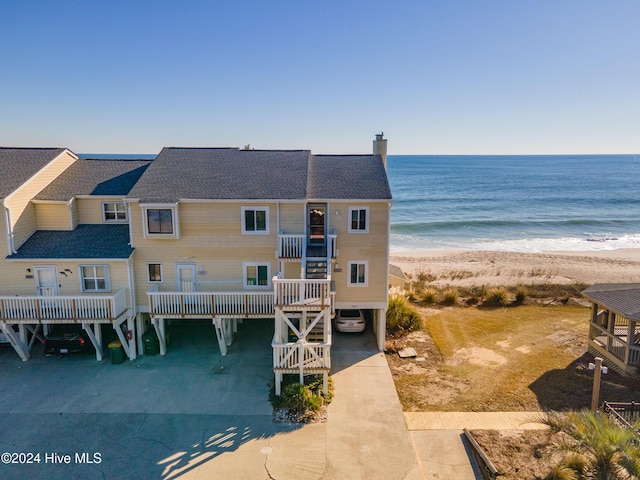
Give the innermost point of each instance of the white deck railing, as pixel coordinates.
(58, 308)
(303, 293)
(294, 245)
(288, 356)
(210, 304)
(290, 246)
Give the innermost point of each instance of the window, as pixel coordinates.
(95, 278)
(160, 221)
(358, 219)
(114, 212)
(155, 272)
(255, 220)
(358, 274)
(256, 275)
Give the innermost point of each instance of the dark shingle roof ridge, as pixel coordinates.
(344, 155)
(34, 148)
(118, 159)
(200, 148)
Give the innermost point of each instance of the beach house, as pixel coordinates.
(218, 234)
(614, 327)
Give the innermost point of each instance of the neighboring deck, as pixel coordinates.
(98, 308)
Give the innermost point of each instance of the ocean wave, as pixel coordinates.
(604, 242)
(427, 227)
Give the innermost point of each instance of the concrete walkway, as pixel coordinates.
(474, 420)
(439, 442)
(196, 415)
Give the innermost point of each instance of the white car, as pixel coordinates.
(350, 320)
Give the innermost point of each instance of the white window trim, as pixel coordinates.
(161, 273)
(107, 278)
(367, 220)
(244, 225)
(256, 264)
(117, 220)
(174, 218)
(366, 273)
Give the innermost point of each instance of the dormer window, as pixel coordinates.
(114, 212)
(160, 221)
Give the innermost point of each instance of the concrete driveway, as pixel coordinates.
(196, 414)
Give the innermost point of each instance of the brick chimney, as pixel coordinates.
(380, 147)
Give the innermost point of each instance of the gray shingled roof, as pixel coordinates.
(624, 298)
(223, 173)
(348, 177)
(17, 165)
(95, 177)
(85, 242)
(230, 174)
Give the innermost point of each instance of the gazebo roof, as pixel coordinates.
(624, 298)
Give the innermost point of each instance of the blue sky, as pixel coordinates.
(438, 77)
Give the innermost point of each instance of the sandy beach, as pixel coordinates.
(469, 268)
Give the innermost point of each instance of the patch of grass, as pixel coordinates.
(497, 297)
(521, 293)
(430, 296)
(401, 317)
(511, 359)
(450, 296)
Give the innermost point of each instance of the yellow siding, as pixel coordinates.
(371, 247)
(90, 209)
(23, 217)
(3, 234)
(13, 281)
(52, 216)
(292, 218)
(210, 236)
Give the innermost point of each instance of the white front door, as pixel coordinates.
(186, 280)
(46, 281)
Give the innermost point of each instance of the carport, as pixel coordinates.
(27, 319)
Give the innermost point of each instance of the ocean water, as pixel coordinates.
(526, 203)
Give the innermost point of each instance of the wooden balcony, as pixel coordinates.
(293, 246)
(303, 294)
(291, 295)
(107, 308)
(210, 304)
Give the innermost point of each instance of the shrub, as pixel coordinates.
(425, 276)
(430, 296)
(497, 296)
(450, 296)
(300, 399)
(521, 293)
(401, 316)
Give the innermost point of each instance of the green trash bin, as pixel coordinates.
(116, 352)
(150, 343)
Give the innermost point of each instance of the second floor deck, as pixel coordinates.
(290, 295)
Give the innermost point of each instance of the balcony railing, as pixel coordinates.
(302, 294)
(210, 304)
(62, 309)
(293, 246)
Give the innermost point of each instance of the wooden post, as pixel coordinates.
(595, 396)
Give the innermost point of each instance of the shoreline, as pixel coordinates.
(495, 268)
